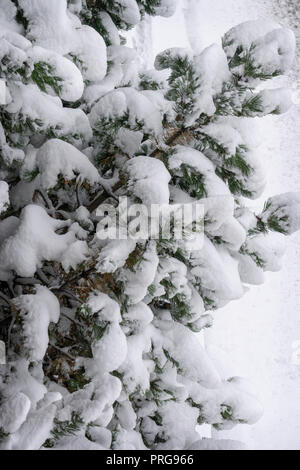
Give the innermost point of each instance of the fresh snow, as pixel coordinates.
(37, 311)
(56, 158)
(148, 180)
(256, 336)
(117, 103)
(131, 345)
(4, 196)
(63, 34)
(32, 241)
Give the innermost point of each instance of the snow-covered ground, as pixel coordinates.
(257, 336)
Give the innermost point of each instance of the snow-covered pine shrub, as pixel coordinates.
(101, 336)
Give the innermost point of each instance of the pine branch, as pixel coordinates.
(171, 140)
(64, 428)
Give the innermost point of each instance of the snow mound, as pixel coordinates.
(57, 157)
(37, 311)
(4, 196)
(148, 180)
(33, 241)
(116, 104)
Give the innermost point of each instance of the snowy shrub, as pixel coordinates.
(101, 335)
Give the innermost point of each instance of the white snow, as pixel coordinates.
(254, 336)
(14, 411)
(184, 346)
(212, 67)
(72, 82)
(277, 101)
(52, 27)
(33, 433)
(218, 272)
(110, 27)
(181, 419)
(37, 311)
(9, 154)
(217, 444)
(110, 351)
(148, 180)
(7, 16)
(114, 254)
(138, 317)
(128, 141)
(214, 186)
(285, 207)
(274, 46)
(129, 11)
(22, 381)
(141, 340)
(117, 103)
(166, 57)
(48, 111)
(129, 440)
(136, 282)
(167, 8)
(4, 196)
(74, 255)
(135, 370)
(33, 241)
(56, 158)
(164, 106)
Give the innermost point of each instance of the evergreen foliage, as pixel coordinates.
(102, 336)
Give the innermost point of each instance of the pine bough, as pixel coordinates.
(102, 337)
